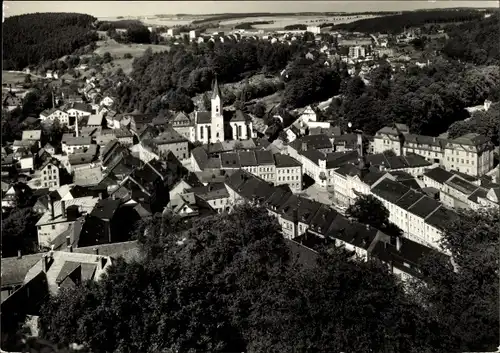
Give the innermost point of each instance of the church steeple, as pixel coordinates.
(216, 89)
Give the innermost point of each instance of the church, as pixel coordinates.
(215, 126)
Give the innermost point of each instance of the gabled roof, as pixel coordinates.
(203, 117)
(390, 190)
(424, 207)
(247, 158)
(239, 116)
(313, 142)
(230, 160)
(472, 139)
(438, 174)
(461, 185)
(105, 209)
(285, 161)
(169, 136)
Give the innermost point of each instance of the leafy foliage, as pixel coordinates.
(309, 81)
(486, 123)
(38, 37)
(475, 41)
(369, 210)
(189, 70)
(428, 100)
(228, 283)
(466, 299)
(19, 232)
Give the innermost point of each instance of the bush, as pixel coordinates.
(127, 56)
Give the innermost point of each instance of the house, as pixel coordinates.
(189, 204)
(60, 216)
(32, 135)
(79, 110)
(171, 140)
(50, 174)
(49, 148)
(54, 114)
(11, 101)
(102, 224)
(214, 194)
(145, 151)
(124, 136)
(69, 145)
(107, 101)
(16, 192)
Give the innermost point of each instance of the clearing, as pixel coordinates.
(13, 77)
(118, 50)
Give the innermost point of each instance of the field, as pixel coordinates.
(118, 50)
(279, 22)
(10, 77)
(156, 21)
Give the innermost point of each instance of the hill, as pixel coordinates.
(35, 38)
(397, 23)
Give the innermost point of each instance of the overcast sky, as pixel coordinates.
(139, 8)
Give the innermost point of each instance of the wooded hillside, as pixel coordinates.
(35, 38)
(397, 23)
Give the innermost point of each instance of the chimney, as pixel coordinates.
(68, 241)
(367, 227)
(96, 251)
(113, 196)
(51, 206)
(398, 243)
(19, 255)
(304, 146)
(63, 209)
(100, 196)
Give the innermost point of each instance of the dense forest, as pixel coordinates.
(185, 71)
(397, 23)
(229, 283)
(475, 42)
(249, 25)
(33, 39)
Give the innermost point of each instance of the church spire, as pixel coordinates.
(216, 89)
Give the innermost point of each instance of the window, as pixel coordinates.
(53, 227)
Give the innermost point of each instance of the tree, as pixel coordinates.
(369, 210)
(27, 79)
(107, 58)
(465, 298)
(19, 232)
(259, 110)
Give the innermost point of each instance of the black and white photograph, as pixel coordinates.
(250, 176)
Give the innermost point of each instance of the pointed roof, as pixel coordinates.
(216, 89)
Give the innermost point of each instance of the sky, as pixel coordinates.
(145, 8)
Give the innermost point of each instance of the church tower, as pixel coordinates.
(217, 115)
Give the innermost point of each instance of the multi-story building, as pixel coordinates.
(49, 174)
(471, 153)
(357, 51)
(277, 169)
(60, 216)
(70, 144)
(171, 140)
